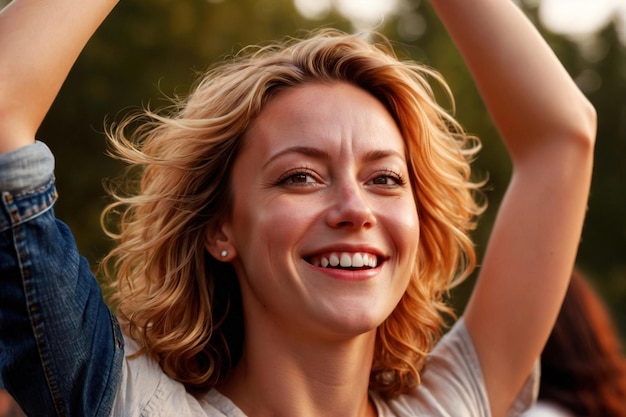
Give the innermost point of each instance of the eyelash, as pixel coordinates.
(396, 177)
(294, 172)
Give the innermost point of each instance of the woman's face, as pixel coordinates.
(324, 222)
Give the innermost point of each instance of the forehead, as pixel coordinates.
(334, 115)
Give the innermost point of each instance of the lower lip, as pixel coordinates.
(348, 275)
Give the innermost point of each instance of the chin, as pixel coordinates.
(352, 323)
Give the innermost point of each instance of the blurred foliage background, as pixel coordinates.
(150, 49)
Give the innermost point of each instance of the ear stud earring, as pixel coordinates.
(224, 253)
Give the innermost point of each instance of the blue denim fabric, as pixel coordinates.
(61, 349)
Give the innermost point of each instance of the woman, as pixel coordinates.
(298, 222)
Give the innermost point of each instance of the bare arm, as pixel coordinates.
(549, 128)
(41, 40)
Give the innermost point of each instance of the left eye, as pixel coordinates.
(383, 180)
(299, 178)
(387, 179)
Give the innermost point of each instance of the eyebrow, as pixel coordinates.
(382, 154)
(317, 153)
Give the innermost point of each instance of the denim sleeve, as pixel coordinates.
(61, 349)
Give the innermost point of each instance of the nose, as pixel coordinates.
(350, 208)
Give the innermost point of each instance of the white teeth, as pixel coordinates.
(357, 260)
(347, 260)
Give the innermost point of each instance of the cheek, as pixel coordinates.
(279, 224)
(265, 226)
(407, 237)
(402, 223)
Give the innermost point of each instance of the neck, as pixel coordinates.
(287, 375)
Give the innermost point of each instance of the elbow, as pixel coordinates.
(581, 138)
(568, 138)
(587, 126)
(578, 146)
(578, 132)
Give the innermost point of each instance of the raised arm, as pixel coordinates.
(61, 350)
(41, 40)
(549, 128)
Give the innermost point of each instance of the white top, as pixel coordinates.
(547, 409)
(452, 386)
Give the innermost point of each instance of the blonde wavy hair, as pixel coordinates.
(183, 306)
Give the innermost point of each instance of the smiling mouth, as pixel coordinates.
(345, 260)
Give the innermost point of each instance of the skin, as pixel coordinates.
(323, 172)
(29, 85)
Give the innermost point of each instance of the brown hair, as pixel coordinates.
(582, 364)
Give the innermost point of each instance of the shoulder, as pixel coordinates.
(452, 383)
(146, 391)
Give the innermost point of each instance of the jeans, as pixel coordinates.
(61, 349)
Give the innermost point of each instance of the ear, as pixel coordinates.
(219, 243)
